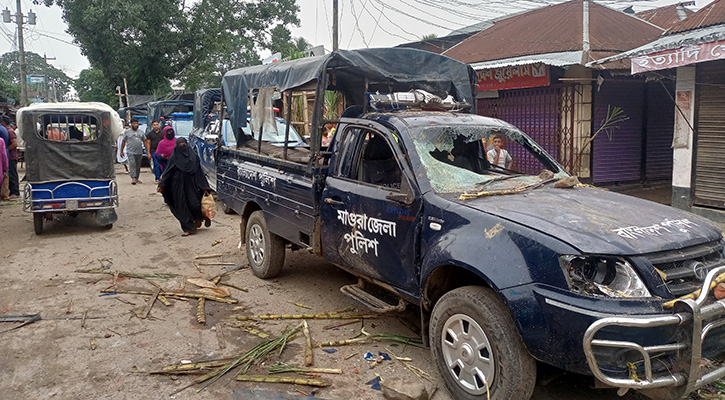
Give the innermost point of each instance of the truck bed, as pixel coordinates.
(287, 191)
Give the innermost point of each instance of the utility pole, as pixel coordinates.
(335, 19)
(21, 47)
(21, 56)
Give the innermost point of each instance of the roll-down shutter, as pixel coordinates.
(710, 135)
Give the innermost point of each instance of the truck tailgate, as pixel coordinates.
(283, 189)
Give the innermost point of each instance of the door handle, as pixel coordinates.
(333, 202)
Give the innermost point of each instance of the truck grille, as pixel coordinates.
(685, 269)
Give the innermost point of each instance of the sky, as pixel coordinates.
(363, 23)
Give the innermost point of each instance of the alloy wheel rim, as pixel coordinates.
(467, 354)
(256, 244)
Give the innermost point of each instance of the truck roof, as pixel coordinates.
(413, 118)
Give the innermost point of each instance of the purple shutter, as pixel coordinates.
(535, 112)
(618, 156)
(660, 128)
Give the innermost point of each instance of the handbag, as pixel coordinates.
(208, 205)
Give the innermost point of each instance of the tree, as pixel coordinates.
(8, 89)
(36, 65)
(283, 42)
(92, 85)
(151, 42)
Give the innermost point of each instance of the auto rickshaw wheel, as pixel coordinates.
(38, 222)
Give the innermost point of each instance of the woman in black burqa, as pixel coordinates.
(183, 184)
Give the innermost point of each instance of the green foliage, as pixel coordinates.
(152, 42)
(429, 36)
(8, 89)
(35, 65)
(92, 85)
(282, 42)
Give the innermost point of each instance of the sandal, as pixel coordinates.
(207, 222)
(186, 234)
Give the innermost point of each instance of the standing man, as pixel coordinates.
(14, 183)
(498, 156)
(133, 144)
(152, 141)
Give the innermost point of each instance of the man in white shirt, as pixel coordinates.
(498, 155)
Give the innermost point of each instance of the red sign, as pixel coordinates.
(521, 76)
(679, 57)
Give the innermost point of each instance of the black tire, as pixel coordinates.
(482, 322)
(38, 223)
(108, 226)
(227, 209)
(265, 250)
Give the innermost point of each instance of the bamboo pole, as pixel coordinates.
(283, 379)
(172, 294)
(303, 316)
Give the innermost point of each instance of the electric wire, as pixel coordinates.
(357, 24)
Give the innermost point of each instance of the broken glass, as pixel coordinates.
(456, 159)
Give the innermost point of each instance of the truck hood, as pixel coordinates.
(597, 221)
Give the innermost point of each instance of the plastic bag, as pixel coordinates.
(208, 206)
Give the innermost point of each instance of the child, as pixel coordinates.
(498, 155)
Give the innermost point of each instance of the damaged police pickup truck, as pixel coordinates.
(506, 267)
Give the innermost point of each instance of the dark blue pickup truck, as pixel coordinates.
(507, 267)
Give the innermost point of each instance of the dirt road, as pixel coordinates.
(64, 356)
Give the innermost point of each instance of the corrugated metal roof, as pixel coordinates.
(712, 14)
(560, 59)
(555, 29)
(689, 38)
(666, 16)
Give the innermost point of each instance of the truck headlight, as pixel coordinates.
(602, 276)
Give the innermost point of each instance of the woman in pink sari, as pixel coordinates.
(165, 147)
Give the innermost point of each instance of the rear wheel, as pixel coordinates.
(38, 223)
(265, 250)
(477, 347)
(108, 226)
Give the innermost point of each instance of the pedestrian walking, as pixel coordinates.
(183, 184)
(5, 184)
(13, 156)
(134, 141)
(165, 148)
(4, 163)
(154, 137)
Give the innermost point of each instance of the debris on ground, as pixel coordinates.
(365, 337)
(243, 362)
(408, 363)
(375, 383)
(400, 389)
(300, 305)
(280, 368)
(139, 275)
(283, 379)
(171, 294)
(25, 319)
(308, 344)
(304, 316)
(205, 256)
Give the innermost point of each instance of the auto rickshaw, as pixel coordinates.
(69, 161)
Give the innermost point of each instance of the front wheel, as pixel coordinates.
(265, 250)
(38, 223)
(477, 347)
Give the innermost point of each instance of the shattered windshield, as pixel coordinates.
(480, 160)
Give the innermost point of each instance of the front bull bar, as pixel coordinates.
(692, 313)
